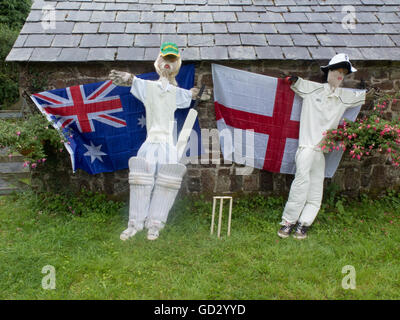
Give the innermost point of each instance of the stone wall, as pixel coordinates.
(370, 175)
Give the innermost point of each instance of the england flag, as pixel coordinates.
(258, 118)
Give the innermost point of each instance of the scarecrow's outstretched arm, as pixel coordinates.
(121, 78)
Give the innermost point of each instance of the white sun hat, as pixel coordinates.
(341, 60)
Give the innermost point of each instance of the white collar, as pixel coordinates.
(167, 88)
(329, 90)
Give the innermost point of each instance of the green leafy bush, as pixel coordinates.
(14, 12)
(8, 71)
(12, 16)
(28, 137)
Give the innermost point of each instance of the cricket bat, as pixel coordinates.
(188, 126)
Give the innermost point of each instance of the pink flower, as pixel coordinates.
(389, 150)
(34, 165)
(358, 157)
(44, 159)
(18, 133)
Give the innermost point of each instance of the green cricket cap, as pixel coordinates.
(168, 48)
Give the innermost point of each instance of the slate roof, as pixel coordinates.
(132, 30)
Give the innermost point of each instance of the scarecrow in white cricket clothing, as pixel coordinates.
(323, 107)
(155, 174)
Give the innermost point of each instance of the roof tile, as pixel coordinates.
(263, 28)
(120, 40)
(304, 40)
(214, 53)
(102, 54)
(239, 27)
(138, 28)
(103, 16)
(269, 52)
(320, 53)
(66, 40)
(200, 17)
(180, 40)
(152, 17)
(128, 16)
(150, 54)
(189, 28)
(45, 54)
(39, 40)
(81, 16)
(191, 53)
(73, 54)
(177, 17)
(214, 28)
(224, 16)
(271, 17)
(204, 40)
(130, 54)
(227, 39)
(108, 27)
(148, 40)
(86, 27)
(295, 53)
(279, 40)
(94, 40)
(295, 17)
(241, 53)
(19, 54)
(253, 39)
(288, 28)
(163, 28)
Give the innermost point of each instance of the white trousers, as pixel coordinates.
(158, 153)
(306, 191)
(155, 178)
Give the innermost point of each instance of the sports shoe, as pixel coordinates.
(301, 232)
(128, 233)
(152, 234)
(286, 229)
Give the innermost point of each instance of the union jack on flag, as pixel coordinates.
(103, 124)
(82, 105)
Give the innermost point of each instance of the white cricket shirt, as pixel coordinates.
(322, 108)
(160, 105)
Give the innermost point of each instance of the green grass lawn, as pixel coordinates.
(186, 262)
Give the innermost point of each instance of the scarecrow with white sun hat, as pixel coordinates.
(155, 174)
(323, 107)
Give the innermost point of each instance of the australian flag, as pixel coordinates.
(103, 124)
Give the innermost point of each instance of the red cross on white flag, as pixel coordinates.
(267, 106)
